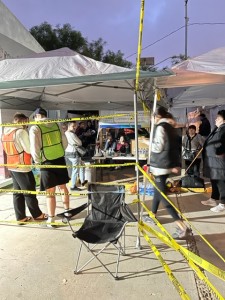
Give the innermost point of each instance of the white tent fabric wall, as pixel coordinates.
(206, 95)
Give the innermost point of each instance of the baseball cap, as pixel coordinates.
(40, 111)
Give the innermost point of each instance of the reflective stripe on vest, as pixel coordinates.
(52, 147)
(13, 155)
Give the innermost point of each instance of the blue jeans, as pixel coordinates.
(74, 162)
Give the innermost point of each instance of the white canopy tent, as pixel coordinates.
(199, 81)
(64, 79)
(206, 69)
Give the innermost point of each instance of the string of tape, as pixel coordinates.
(84, 194)
(190, 257)
(48, 121)
(178, 211)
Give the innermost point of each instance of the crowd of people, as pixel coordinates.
(45, 144)
(48, 144)
(166, 159)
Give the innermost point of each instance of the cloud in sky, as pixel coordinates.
(117, 22)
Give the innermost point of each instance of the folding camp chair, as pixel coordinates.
(105, 223)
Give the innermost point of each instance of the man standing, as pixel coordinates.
(47, 148)
(16, 145)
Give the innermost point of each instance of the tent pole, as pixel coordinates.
(152, 126)
(150, 143)
(138, 243)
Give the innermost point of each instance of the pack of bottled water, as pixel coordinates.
(148, 190)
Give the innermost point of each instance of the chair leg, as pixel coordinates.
(118, 260)
(75, 271)
(96, 256)
(124, 242)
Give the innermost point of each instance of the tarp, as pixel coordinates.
(206, 69)
(206, 95)
(64, 79)
(198, 81)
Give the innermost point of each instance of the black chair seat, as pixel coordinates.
(99, 232)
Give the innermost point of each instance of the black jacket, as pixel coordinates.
(204, 128)
(214, 154)
(170, 156)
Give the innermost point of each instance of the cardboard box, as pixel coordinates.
(143, 147)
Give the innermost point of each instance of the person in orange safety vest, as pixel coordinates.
(15, 141)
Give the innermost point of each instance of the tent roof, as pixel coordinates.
(64, 79)
(208, 68)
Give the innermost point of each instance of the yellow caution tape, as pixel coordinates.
(191, 258)
(167, 269)
(41, 223)
(179, 212)
(41, 193)
(139, 44)
(67, 120)
(69, 166)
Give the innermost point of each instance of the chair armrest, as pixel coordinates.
(73, 212)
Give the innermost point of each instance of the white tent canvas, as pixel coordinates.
(206, 69)
(64, 79)
(199, 81)
(207, 95)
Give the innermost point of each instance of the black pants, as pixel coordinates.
(195, 167)
(218, 190)
(161, 184)
(24, 181)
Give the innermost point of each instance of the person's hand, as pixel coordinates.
(36, 170)
(176, 170)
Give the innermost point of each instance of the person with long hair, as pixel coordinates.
(165, 159)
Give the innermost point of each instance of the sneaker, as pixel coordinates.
(147, 219)
(75, 188)
(50, 222)
(181, 234)
(210, 202)
(83, 183)
(67, 216)
(67, 213)
(219, 208)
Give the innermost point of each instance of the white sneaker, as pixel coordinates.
(50, 222)
(219, 208)
(210, 202)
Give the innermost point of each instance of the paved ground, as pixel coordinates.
(38, 262)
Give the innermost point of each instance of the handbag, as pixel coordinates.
(192, 182)
(187, 154)
(81, 151)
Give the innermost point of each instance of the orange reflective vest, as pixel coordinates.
(13, 155)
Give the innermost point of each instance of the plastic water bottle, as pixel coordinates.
(141, 188)
(151, 190)
(148, 189)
